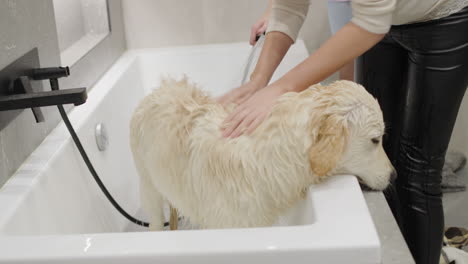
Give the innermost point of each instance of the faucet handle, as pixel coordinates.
(23, 85)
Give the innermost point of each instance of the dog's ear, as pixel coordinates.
(329, 144)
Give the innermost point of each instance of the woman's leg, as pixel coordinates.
(382, 71)
(437, 77)
(339, 14)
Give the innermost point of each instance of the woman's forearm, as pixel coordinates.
(274, 49)
(348, 43)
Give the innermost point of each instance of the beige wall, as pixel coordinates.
(161, 23)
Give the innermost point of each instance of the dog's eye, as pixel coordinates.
(375, 140)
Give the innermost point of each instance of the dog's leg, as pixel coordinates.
(174, 219)
(152, 203)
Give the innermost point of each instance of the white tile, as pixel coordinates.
(162, 23)
(230, 21)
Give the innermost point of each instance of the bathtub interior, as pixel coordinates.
(215, 68)
(53, 192)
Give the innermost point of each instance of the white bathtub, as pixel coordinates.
(53, 212)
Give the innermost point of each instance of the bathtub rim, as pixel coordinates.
(260, 242)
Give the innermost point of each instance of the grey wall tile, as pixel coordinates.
(27, 24)
(24, 26)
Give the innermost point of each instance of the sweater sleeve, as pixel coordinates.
(373, 15)
(287, 16)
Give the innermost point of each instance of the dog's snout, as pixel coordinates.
(393, 175)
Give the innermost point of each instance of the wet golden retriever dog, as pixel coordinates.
(251, 180)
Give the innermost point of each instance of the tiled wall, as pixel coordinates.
(25, 24)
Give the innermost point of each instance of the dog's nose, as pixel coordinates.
(393, 175)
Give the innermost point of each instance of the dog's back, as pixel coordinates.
(250, 180)
(216, 182)
(172, 130)
(154, 121)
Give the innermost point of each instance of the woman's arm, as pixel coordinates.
(371, 20)
(348, 43)
(286, 18)
(275, 48)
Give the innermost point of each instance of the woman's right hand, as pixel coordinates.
(241, 93)
(258, 28)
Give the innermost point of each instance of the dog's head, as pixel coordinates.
(347, 135)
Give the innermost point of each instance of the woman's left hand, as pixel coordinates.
(250, 114)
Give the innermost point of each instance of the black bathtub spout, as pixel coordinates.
(50, 73)
(22, 95)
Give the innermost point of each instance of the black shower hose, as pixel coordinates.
(94, 173)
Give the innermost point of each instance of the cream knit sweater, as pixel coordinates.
(376, 16)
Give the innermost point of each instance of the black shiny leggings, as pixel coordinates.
(419, 74)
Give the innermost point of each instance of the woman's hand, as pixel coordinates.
(242, 93)
(249, 115)
(261, 25)
(258, 28)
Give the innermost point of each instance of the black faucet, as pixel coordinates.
(22, 95)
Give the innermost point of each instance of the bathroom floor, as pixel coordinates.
(456, 205)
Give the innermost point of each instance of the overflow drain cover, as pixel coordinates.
(102, 141)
